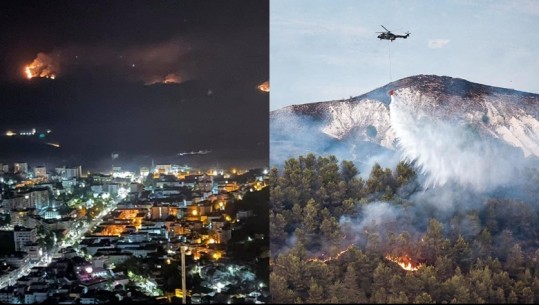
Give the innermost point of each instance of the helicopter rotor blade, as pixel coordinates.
(385, 28)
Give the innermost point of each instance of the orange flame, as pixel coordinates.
(172, 79)
(42, 66)
(28, 72)
(265, 87)
(405, 262)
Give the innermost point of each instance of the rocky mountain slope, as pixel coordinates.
(370, 125)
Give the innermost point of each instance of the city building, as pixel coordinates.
(17, 202)
(18, 259)
(163, 168)
(144, 171)
(73, 172)
(223, 235)
(205, 183)
(36, 198)
(35, 252)
(20, 167)
(33, 198)
(101, 178)
(8, 295)
(40, 172)
(60, 171)
(23, 236)
(21, 217)
(112, 188)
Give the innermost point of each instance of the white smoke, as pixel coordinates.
(449, 151)
(294, 135)
(291, 136)
(373, 215)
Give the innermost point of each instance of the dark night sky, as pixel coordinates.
(110, 57)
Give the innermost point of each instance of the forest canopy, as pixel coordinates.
(340, 238)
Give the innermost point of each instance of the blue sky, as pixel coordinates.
(324, 50)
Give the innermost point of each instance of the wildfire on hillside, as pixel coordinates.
(42, 66)
(265, 87)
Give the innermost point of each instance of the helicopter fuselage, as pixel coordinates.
(391, 36)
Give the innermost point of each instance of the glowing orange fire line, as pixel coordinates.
(325, 260)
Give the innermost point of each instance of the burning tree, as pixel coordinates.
(405, 262)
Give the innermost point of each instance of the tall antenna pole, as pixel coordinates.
(184, 287)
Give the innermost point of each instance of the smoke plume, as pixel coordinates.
(451, 151)
(43, 65)
(374, 215)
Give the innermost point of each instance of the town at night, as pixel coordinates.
(102, 237)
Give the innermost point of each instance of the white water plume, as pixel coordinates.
(448, 151)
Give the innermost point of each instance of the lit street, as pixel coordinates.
(13, 276)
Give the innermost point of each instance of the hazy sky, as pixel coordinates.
(324, 50)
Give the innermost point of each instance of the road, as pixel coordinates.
(14, 275)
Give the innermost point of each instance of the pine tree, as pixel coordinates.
(310, 217)
(515, 259)
(423, 298)
(315, 293)
(348, 170)
(280, 292)
(277, 228)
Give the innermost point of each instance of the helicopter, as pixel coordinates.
(390, 36)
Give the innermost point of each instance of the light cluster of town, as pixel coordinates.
(164, 234)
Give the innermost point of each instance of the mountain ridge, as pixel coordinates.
(504, 115)
(421, 80)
